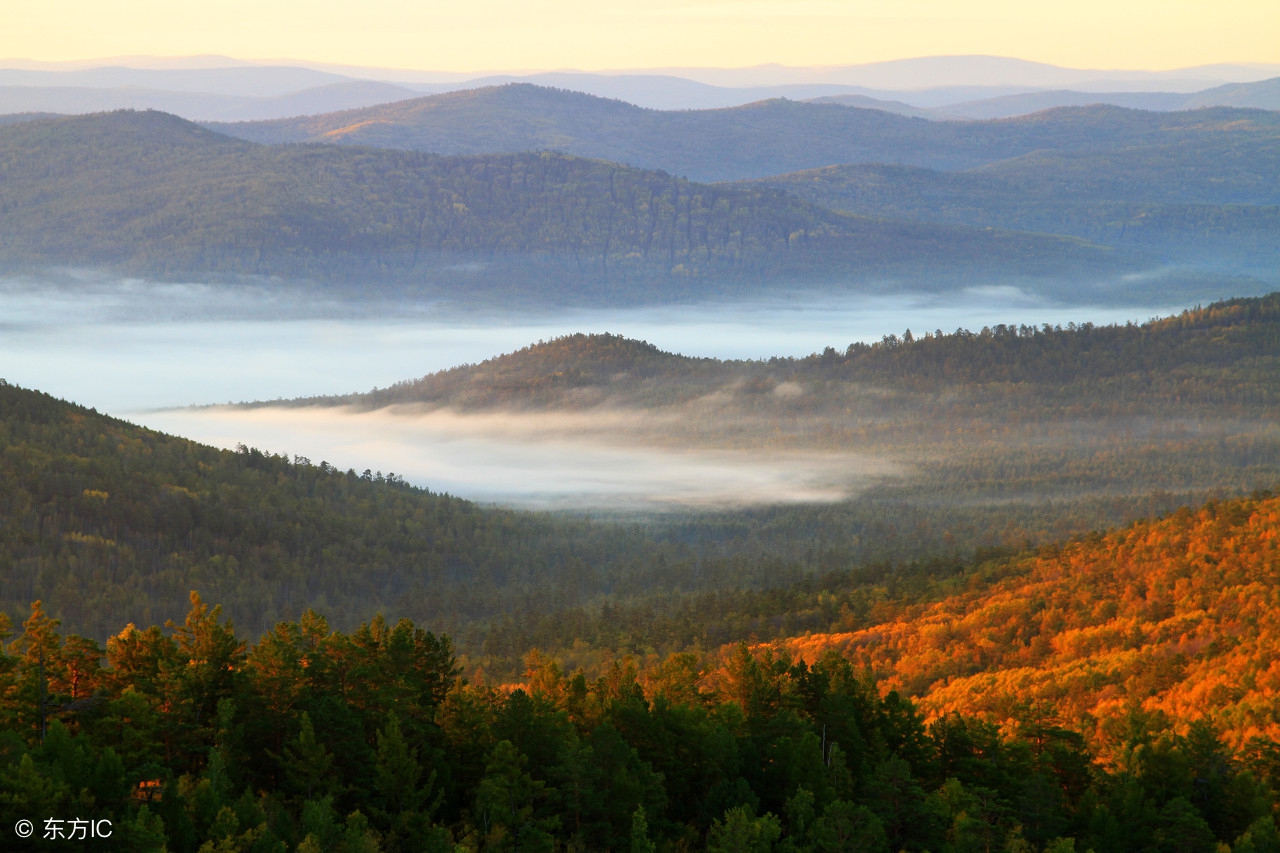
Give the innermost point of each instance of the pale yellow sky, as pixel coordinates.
(472, 35)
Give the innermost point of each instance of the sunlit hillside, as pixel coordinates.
(1179, 616)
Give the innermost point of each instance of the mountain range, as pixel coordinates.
(153, 194)
(755, 140)
(945, 88)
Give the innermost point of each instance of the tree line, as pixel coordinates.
(189, 739)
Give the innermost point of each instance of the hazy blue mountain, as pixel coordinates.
(1262, 95)
(259, 81)
(1215, 200)
(928, 72)
(149, 193)
(1004, 86)
(202, 106)
(756, 140)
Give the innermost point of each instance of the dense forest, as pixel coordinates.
(148, 193)
(188, 738)
(752, 141)
(1175, 618)
(109, 523)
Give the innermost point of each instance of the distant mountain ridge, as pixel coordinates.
(1192, 200)
(1261, 95)
(942, 88)
(200, 105)
(765, 138)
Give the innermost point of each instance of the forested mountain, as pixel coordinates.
(152, 194)
(192, 738)
(1175, 619)
(109, 523)
(765, 138)
(1001, 437)
(1191, 201)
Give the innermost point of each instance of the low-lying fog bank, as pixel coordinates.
(124, 346)
(534, 460)
(139, 350)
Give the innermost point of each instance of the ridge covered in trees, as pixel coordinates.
(1203, 353)
(751, 141)
(148, 193)
(109, 522)
(1209, 200)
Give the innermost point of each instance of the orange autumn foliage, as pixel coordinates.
(1180, 615)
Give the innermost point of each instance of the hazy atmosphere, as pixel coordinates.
(136, 349)
(665, 426)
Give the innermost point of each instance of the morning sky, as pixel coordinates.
(473, 35)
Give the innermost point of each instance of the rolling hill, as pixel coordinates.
(1208, 201)
(1258, 95)
(755, 140)
(148, 193)
(1220, 352)
(1004, 436)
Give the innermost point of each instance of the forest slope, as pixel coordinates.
(1177, 616)
(152, 194)
(755, 140)
(1191, 201)
(109, 523)
(998, 438)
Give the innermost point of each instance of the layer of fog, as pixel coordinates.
(138, 350)
(534, 460)
(128, 346)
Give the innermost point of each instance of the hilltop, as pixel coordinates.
(1223, 351)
